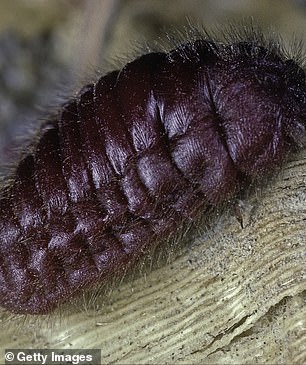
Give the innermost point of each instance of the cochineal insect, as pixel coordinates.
(137, 154)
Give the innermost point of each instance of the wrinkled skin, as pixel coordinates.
(137, 154)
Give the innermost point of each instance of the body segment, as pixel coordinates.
(134, 156)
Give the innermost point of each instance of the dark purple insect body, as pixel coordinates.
(137, 154)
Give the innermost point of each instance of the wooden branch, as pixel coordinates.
(234, 295)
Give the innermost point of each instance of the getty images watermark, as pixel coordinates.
(52, 357)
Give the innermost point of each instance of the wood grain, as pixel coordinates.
(234, 295)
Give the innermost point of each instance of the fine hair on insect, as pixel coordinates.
(142, 154)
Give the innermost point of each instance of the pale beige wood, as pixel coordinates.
(234, 295)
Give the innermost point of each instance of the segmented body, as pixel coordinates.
(137, 154)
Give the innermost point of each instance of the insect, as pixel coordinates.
(138, 153)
